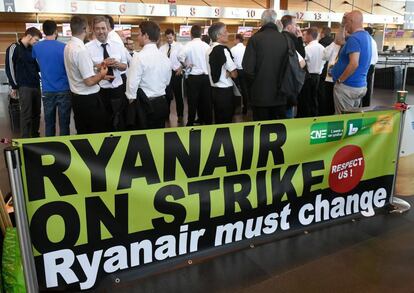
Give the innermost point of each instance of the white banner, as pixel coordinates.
(405, 174)
(141, 9)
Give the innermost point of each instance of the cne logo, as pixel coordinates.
(317, 134)
(326, 132)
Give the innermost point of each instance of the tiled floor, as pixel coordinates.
(366, 255)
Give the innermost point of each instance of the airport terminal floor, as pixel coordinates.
(363, 255)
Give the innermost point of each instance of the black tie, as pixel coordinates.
(106, 55)
(169, 51)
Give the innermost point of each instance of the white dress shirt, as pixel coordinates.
(150, 71)
(79, 66)
(194, 55)
(114, 51)
(313, 57)
(116, 38)
(224, 81)
(238, 54)
(330, 54)
(374, 57)
(175, 50)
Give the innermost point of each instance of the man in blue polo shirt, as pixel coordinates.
(55, 85)
(350, 72)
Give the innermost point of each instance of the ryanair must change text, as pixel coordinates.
(103, 204)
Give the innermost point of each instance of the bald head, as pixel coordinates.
(354, 21)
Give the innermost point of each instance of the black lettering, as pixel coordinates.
(261, 189)
(96, 162)
(36, 171)
(174, 150)
(38, 226)
(97, 212)
(138, 145)
(283, 185)
(308, 179)
(169, 208)
(203, 189)
(275, 147)
(222, 138)
(248, 146)
(231, 197)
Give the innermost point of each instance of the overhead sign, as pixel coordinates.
(246, 31)
(124, 30)
(107, 203)
(66, 31)
(9, 6)
(185, 31)
(144, 9)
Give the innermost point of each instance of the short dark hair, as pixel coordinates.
(206, 39)
(110, 20)
(151, 29)
(169, 31)
(34, 32)
(313, 32)
(326, 31)
(49, 27)
(287, 20)
(196, 31)
(240, 38)
(78, 25)
(214, 30)
(369, 30)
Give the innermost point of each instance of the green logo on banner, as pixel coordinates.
(326, 132)
(359, 126)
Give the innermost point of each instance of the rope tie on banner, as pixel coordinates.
(5, 140)
(401, 106)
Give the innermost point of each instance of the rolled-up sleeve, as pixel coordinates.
(182, 55)
(229, 65)
(134, 74)
(85, 64)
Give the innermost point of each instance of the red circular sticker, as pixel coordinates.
(347, 169)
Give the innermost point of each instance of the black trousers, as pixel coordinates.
(199, 98)
(157, 113)
(175, 90)
(308, 98)
(242, 84)
(30, 102)
(366, 100)
(89, 113)
(223, 104)
(115, 102)
(269, 113)
(329, 99)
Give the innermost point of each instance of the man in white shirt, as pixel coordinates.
(115, 37)
(308, 99)
(89, 113)
(112, 93)
(149, 75)
(366, 100)
(238, 53)
(171, 49)
(221, 70)
(129, 45)
(193, 56)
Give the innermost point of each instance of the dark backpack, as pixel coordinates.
(293, 77)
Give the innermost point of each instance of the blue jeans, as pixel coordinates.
(289, 112)
(62, 102)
